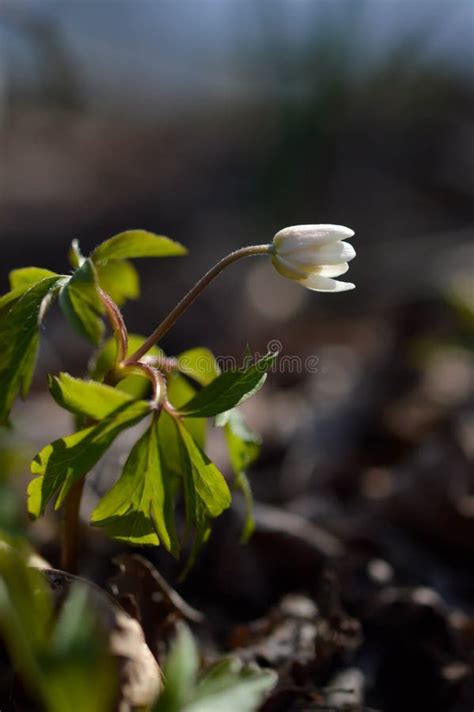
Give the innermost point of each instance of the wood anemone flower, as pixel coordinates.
(313, 255)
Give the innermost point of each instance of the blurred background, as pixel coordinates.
(218, 122)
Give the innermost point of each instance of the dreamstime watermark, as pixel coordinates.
(282, 364)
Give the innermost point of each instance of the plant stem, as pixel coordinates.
(71, 527)
(118, 325)
(193, 293)
(72, 503)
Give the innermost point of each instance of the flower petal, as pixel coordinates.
(288, 269)
(331, 254)
(318, 283)
(299, 237)
(332, 270)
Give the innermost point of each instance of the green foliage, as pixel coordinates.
(81, 304)
(26, 277)
(227, 685)
(206, 493)
(136, 386)
(139, 508)
(168, 463)
(19, 339)
(88, 398)
(119, 279)
(136, 243)
(68, 459)
(59, 660)
(244, 448)
(229, 389)
(199, 364)
(243, 444)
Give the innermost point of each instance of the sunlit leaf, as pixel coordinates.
(76, 258)
(27, 276)
(199, 364)
(229, 389)
(19, 338)
(136, 243)
(206, 494)
(136, 386)
(139, 507)
(79, 300)
(65, 461)
(119, 279)
(89, 398)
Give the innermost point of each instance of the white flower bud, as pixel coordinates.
(313, 254)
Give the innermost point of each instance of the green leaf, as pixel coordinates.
(136, 386)
(78, 651)
(19, 339)
(226, 686)
(80, 302)
(76, 258)
(139, 507)
(28, 276)
(179, 392)
(243, 444)
(88, 398)
(199, 364)
(8, 300)
(232, 686)
(67, 460)
(241, 482)
(206, 494)
(244, 448)
(180, 673)
(59, 657)
(119, 279)
(136, 243)
(229, 389)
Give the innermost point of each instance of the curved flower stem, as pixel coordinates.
(193, 293)
(158, 381)
(118, 325)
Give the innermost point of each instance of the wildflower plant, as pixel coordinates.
(131, 380)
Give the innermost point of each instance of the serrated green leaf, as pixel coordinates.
(136, 243)
(179, 392)
(19, 338)
(139, 507)
(229, 389)
(119, 279)
(199, 364)
(88, 398)
(136, 386)
(206, 493)
(67, 460)
(26, 277)
(80, 302)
